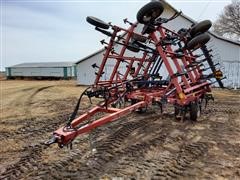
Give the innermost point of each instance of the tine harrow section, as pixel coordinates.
(154, 67)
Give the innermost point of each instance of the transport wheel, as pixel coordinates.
(198, 41)
(195, 111)
(97, 22)
(200, 27)
(150, 12)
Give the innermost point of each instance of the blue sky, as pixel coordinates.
(40, 31)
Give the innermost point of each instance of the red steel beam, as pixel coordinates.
(126, 58)
(175, 61)
(129, 35)
(65, 135)
(195, 87)
(109, 48)
(166, 62)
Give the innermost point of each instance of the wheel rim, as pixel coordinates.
(151, 15)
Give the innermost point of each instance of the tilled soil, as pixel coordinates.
(139, 146)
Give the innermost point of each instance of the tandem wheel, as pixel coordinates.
(198, 41)
(150, 12)
(200, 27)
(97, 22)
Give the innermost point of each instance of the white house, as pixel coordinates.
(225, 51)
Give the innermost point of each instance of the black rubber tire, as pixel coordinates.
(97, 22)
(150, 12)
(200, 27)
(194, 111)
(198, 41)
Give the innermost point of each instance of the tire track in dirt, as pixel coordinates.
(27, 105)
(113, 157)
(29, 120)
(26, 162)
(53, 169)
(36, 126)
(109, 151)
(31, 153)
(31, 160)
(33, 128)
(106, 151)
(223, 107)
(166, 166)
(24, 101)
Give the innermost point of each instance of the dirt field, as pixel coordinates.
(2, 75)
(139, 146)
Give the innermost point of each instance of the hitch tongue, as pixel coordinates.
(51, 141)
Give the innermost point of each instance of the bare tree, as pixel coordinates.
(228, 23)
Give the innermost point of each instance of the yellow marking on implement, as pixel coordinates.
(182, 96)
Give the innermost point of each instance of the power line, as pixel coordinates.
(204, 9)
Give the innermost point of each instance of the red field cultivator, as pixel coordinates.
(183, 55)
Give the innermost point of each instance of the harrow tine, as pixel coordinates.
(113, 52)
(103, 42)
(219, 79)
(95, 65)
(201, 60)
(120, 73)
(198, 55)
(210, 67)
(139, 64)
(208, 97)
(126, 21)
(197, 64)
(98, 73)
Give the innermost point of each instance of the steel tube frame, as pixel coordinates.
(191, 89)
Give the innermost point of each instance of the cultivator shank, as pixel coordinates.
(139, 63)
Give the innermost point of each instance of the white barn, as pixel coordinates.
(60, 70)
(225, 51)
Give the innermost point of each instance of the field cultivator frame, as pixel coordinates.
(142, 85)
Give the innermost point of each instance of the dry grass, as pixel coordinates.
(17, 96)
(223, 94)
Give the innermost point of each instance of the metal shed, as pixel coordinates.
(61, 70)
(225, 52)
